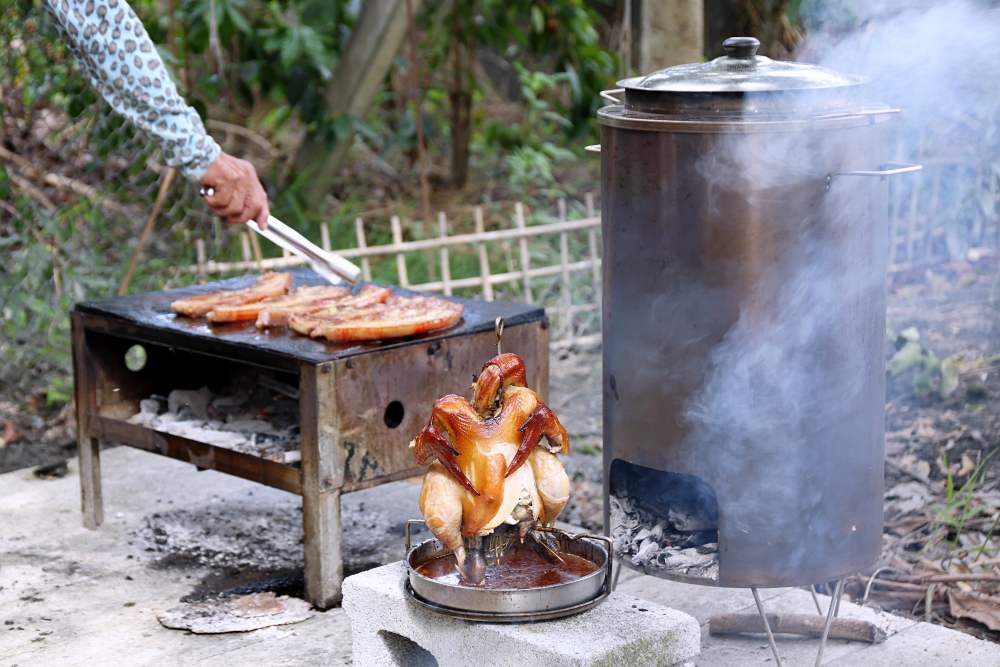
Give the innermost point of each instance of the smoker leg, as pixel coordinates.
(767, 626)
(324, 557)
(838, 591)
(90, 481)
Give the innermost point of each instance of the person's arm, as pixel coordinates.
(122, 63)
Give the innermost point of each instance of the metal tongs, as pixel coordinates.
(330, 266)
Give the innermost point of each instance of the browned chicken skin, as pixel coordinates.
(477, 479)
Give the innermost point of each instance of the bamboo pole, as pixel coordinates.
(595, 256)
(199, 251)
(324, 236)
(397, 241)
(406, 246)
(567, 288)
(521, 225)
(484, 260)
(359, 233)
(444, 254)
(257, 254)
(147, 229)
(245, 245)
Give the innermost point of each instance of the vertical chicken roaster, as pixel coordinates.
(493, 467)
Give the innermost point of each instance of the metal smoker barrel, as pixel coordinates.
(744, 211)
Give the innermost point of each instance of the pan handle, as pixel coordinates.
(609, 545)
(887, 169)
(609, 95)
(407, 529)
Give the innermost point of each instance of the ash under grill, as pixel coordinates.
(253, 414)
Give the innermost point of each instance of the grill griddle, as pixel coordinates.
(149, 317)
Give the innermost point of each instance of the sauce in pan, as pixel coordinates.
(521, 567)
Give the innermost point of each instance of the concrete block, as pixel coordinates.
(388, 629)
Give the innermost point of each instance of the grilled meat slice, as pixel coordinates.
(396, 318)
(312, 295)
(268, 285)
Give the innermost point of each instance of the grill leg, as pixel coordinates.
(88, 448)
(324, 564)
(322, 478)
(90, 481)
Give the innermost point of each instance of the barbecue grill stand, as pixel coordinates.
(344, 442)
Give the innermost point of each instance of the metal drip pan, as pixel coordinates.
(513, 605)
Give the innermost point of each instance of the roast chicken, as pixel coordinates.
(492, 463)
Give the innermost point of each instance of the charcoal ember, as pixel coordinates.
(248, 426)
(190, 401)
(686, 521)
(646, 552)
(694, 539)
(652, 544)
(245, 417)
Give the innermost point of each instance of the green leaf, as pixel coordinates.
(909, 356)
(537, 19)
(949, 377)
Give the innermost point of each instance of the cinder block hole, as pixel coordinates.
(406, 652)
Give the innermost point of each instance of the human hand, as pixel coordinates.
(233, 191)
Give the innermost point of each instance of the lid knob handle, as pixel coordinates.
(741, 48)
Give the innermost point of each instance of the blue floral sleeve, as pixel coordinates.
(121, 62)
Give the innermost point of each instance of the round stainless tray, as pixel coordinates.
(513, 617)
(512, 605)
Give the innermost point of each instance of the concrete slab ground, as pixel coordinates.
(73, 596)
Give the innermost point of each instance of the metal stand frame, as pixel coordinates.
(832, 612)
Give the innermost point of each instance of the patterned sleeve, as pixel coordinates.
(121, 62)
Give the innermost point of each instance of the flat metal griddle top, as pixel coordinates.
(150, 314)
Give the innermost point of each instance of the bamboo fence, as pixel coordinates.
(574, 323)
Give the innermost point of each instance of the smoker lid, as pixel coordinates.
(741, 70)
(741, 92)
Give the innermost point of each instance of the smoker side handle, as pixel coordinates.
(888, 169)
(609, 95)
(407, 539)
(608, 544)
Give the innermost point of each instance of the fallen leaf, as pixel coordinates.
(978, 607)
(968, 465)
(915, 467)
(8, 433)
(949, 377)
(909, 356)
(908, 497)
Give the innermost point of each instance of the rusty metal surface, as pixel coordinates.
(148, 317)
(744, 319)
(383, 400)
(247, 466)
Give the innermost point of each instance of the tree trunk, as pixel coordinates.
(460, 97)
(671, 32)
(366, 59)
